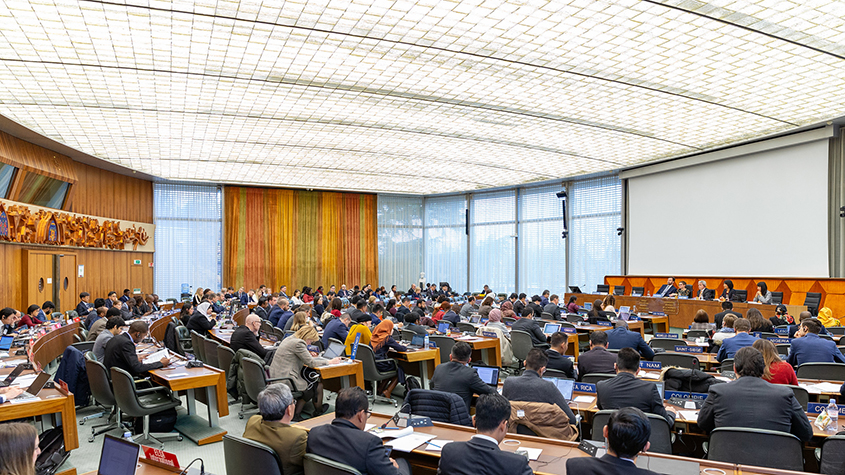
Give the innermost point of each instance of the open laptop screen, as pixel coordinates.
(488, 375)
(334, 350)
(39, 383)
(443, 327)
(550, 328)
(119, 457)
(418, 340)
(6, 342)
(565, 386)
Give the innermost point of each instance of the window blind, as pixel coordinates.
(542, 251)
(492, 241)
(595, 248)
(446, 241)
(400, 240)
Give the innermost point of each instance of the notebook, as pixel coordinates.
(118, 457)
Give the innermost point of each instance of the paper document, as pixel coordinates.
(827, 387)
(533, 454)
(12, 363)
(688, 415)
(24, 381)
(368, 427)
(584, 399)
(157, 356)
(437, 444)
(409, 442)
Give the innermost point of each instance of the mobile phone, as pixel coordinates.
(387, 451)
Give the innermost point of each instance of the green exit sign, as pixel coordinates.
(136, 262)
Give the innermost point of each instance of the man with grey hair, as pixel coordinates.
(272, 427)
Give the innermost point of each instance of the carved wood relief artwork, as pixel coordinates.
(21, 225)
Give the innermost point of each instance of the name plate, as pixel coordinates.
(604, 324)
(160, 456)
(585, 388)
(633, 318)
(684, 395)
(569, 330)
(782, 331)
(780, 341)
(817, 408)
(667, 335)
(659, 314)
(689, 349)
(490, 334)
(651, 365)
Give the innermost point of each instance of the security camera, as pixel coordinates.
(561, 194)
(619, 231)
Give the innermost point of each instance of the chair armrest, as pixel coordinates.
(285, 379)
(385, 360)
(151, 390)
(544, 346)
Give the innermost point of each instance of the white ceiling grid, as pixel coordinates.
(417, 96)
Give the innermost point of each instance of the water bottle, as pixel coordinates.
(833, 412)
(127, 436)
(426, 346)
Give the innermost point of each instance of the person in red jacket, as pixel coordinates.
(31, 317)
(777, 371)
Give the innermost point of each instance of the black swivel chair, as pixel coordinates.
(836, 330)
(255, 380)
(367, 357)
(246, 457)
(143, 403)
(466, 327)
(184, 336)
(98, 380)
(225, 355)
(555, 373)
(84, 346)
(316, 465)
(594, 378)
(661, 433)
(618, 290)
(667, 344)
(740, 295)
(812, 302)
(445, 343)
(777, 298)
(635, 291)
(801, 394)
(693, 334)
(198, 344)
(211, 353)
(408, 335)
(602, 289)
(828, 371)
(546, 316)
(832, 460)
(763, 448)
(681, 360)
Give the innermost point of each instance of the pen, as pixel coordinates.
(435, 445)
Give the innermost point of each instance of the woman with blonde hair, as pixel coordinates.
(198, 296)
(609, 303)
(299, 320)
(19, 449)
(777, 371)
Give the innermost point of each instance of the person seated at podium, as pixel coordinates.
(763, 295)
(703, 292)
(684, 290)
(668, 289)
(627, 433)
(728, 292)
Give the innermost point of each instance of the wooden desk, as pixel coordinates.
(659, 324)
(53, 344)
(484, 348)
(347, 374)
(159, 326)
(53, 402)
(427, 361)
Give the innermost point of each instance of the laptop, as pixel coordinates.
(6, 342)
(119, 457)
(488, 375)
(417, 342)
(550, 328)
(443, 327)
(575, 289)
(35, 388)
(11, 377)
(624, 309)
(659, 385)
(565, 386)
(334, 350)
(624, 316)
(588, 306)
(475, 319)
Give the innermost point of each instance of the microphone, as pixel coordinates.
(202, 467)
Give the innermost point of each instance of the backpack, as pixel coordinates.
(412, 382)
(53, 453)
(163, 421)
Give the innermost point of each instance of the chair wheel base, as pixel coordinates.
(91, 439)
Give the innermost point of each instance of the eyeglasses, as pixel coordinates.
(369, 413)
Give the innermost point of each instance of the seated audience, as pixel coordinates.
(777, 371)
(114, 326)
(19, 446)
(363, 326)
(520, 304)
(9, 318)
(826, 318)
(272, 427)
(742, 339)
(701, 321)
(84, 304)
(284, 315)
(552, 307)
(486, 306)
(793, 329)
(608, 304)
(596, 314)
(758, 323)
(495, 321)
(481, 454)
(621, 337)
(30, 319)
(751, 402)
(449, 315)
(382, 342)
(572, 306)
(625, 390)
(99, 324)
(727, 330)
(559, 342)
(531, 387)
(530, 326)
(337, 328)
(782, 316)
(507, 310)
(296, 322)
(627, 433)
(202, 320)
(457, 377)
(468, 308)
(246, 336)
(808, 347)
(47, 309)
(727, 308)
(411, 320)
(120, 351)
(345, 441)
(598, 359)
(261, 309)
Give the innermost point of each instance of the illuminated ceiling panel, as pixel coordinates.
(414, 97)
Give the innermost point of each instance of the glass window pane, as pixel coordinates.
(492, 234)
(41, 190)
(6, 174)
(400, 240)
(446, 241)
(542, 250)
(595, 247)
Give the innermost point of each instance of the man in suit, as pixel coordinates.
(345, 441)
(411, 323)
(730, 346)
(625, 390)
(621, 337)
(598, 359)
(120, 351)
(704, 293)
(481, 453)
(469, 308)
(531, 387)
(246, 336)
(530, 326)
(126, 296)
(272, 427)
(359, 310)
(457, 377)
(552, 307)
(519, 305)
(283, 292)
(261, 308)
(275, 310)
(793, 329)
(753, 402)
(544, 298)
(403, 309)
(337, 328)
(242, 296)
(667, 289)
(808, 347)
(559, 342)
(285, 315)
(727, 308)
(84, 305)
(536, 308)
(627, 433)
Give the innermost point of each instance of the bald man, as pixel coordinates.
(246, 336)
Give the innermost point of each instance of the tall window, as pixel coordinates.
(446, 241)
(188, 236)
(400, 240)
(493, 241)
(542, 250)
(595, 248)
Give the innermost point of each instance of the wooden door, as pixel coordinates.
(66, 282)
(37, 277)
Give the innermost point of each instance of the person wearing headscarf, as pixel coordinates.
(826, 318)
(202, 321)
(382, 342)
(496, 321)
(507, 310)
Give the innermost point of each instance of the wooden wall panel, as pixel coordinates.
(31, 157)
(110, 195)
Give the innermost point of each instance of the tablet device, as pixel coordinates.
(550, 328)
(488, 375)
(334, 350)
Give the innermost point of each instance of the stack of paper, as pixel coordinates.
(157, 356)
(688, 415)
(409, 442)
(584, 399)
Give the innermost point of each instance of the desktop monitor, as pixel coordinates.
(575, 289)
(550, 328)
(119, 457)
(488, 375)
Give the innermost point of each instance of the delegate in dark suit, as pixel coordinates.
(243, 337)
(480, 456)
(200, 323)
(260, 311)
(810, 348)
(454, 377)
(755, 403)
(706, 294)
(288, 442)
(120, 353)
(335, 329)
(275, 313)
(717, 319)
(560, 363)
(553, 309)
(731, 345)
(531, 327)
(418, 329)
(620, 337)
(625, 390)
(666, 290)
(342, 442)
(284, 317)
(606, 465)
(82, 309)
(597, 360)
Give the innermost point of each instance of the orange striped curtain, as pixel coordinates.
(296, 238)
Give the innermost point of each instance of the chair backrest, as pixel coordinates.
(89, 355)
(697, 334)
(812, 302)
(335, 340)
(466, 327)
(408, 335)
(682, 360)
(98, 379)
(841, 349)
(826, 337)
(619, 290)
(574, 318)
(555, 373)
(599, 421)
(367, 357)
(836, 330)
(522, 430)
(278, 333)
(546, 316)
(767, 335)
(246, 457)
(666, 343)
(602, 289)
(594, 378)
(198, 345)
(225, 355)
(211, 352)
(638, 290)
(316, 465)
(777, 298)
(801, 394)
(445, 343)
(84, 346)
(829, 371)
(741, 295)
(833, 455)
(440, 406)
(566, 324)
(763, 448)
(521, 344)
(255, 379)
(661, 435)
(125, 395)
(727, 364)
(266, 327)
(508, 320)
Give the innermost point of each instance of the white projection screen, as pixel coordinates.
(761, 214)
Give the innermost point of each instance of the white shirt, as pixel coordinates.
(487, 437)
